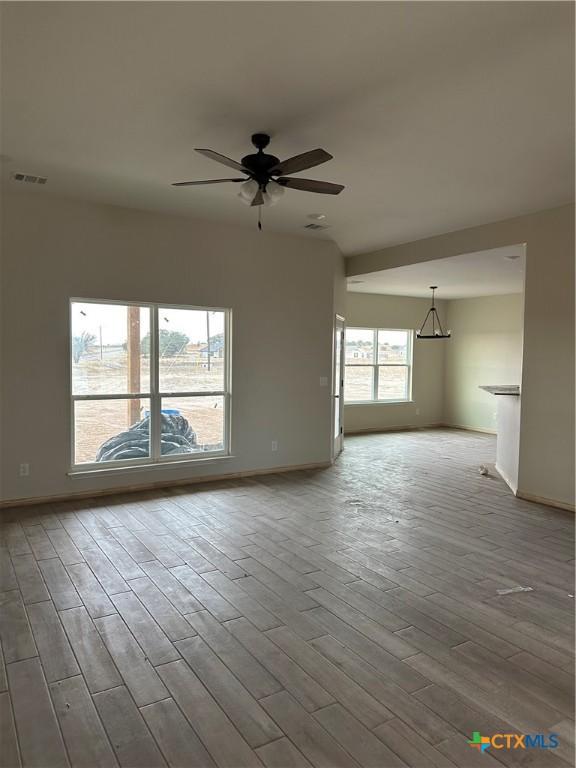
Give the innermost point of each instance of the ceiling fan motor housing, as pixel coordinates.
(260, 164)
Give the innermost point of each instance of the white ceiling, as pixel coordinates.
(499, 271)
(440, 115)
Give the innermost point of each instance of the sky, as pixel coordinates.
(111, 320)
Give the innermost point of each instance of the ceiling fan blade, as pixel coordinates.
(309, 185)
(207, 181)
(258, 198)
(222, 159)
(301, 162)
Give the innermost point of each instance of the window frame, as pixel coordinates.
(155, 395)
(375, 366)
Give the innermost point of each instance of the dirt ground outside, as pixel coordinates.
(98, 420)
(392, 383)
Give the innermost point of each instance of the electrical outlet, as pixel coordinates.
(417, 411)
(24, 470)
(274, 445)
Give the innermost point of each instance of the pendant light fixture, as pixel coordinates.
(436, 332)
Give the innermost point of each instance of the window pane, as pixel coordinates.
(199, 420)
(392, 382)
(392, 346)
(110, 349)
(191, 350)
(105, 430)
(359, 346)
(358, 383)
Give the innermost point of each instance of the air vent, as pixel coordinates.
(29, 178)
(315, 226)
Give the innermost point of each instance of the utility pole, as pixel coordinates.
(133, 349)
(208, 335)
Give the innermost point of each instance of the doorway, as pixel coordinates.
(338, 386)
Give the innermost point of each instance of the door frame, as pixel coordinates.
(337, 441)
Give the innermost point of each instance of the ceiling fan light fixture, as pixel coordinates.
(248, 191)
(272, 193)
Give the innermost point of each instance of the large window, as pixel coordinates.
(378, 365)
(149, 383)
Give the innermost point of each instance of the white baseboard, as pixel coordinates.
(543, 500)
(399, 428)
(159, 485)
(405, 427)
(470, 429)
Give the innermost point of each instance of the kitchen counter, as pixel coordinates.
(502, 389)
(508, 431)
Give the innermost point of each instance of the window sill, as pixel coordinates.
(91, 472)
(379, 402)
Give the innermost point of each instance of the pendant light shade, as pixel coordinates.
(435, 330)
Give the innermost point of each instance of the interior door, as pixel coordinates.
(338, 386)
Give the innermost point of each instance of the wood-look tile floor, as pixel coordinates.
(344, 617)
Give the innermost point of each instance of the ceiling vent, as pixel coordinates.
(29, 178)
(315, 226)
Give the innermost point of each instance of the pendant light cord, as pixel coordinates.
(260, 218)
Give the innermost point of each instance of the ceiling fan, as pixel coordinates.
(266, 176)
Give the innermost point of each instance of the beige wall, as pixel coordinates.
(281, 289)
(485, 348)
(374, 311)
(547, 418)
